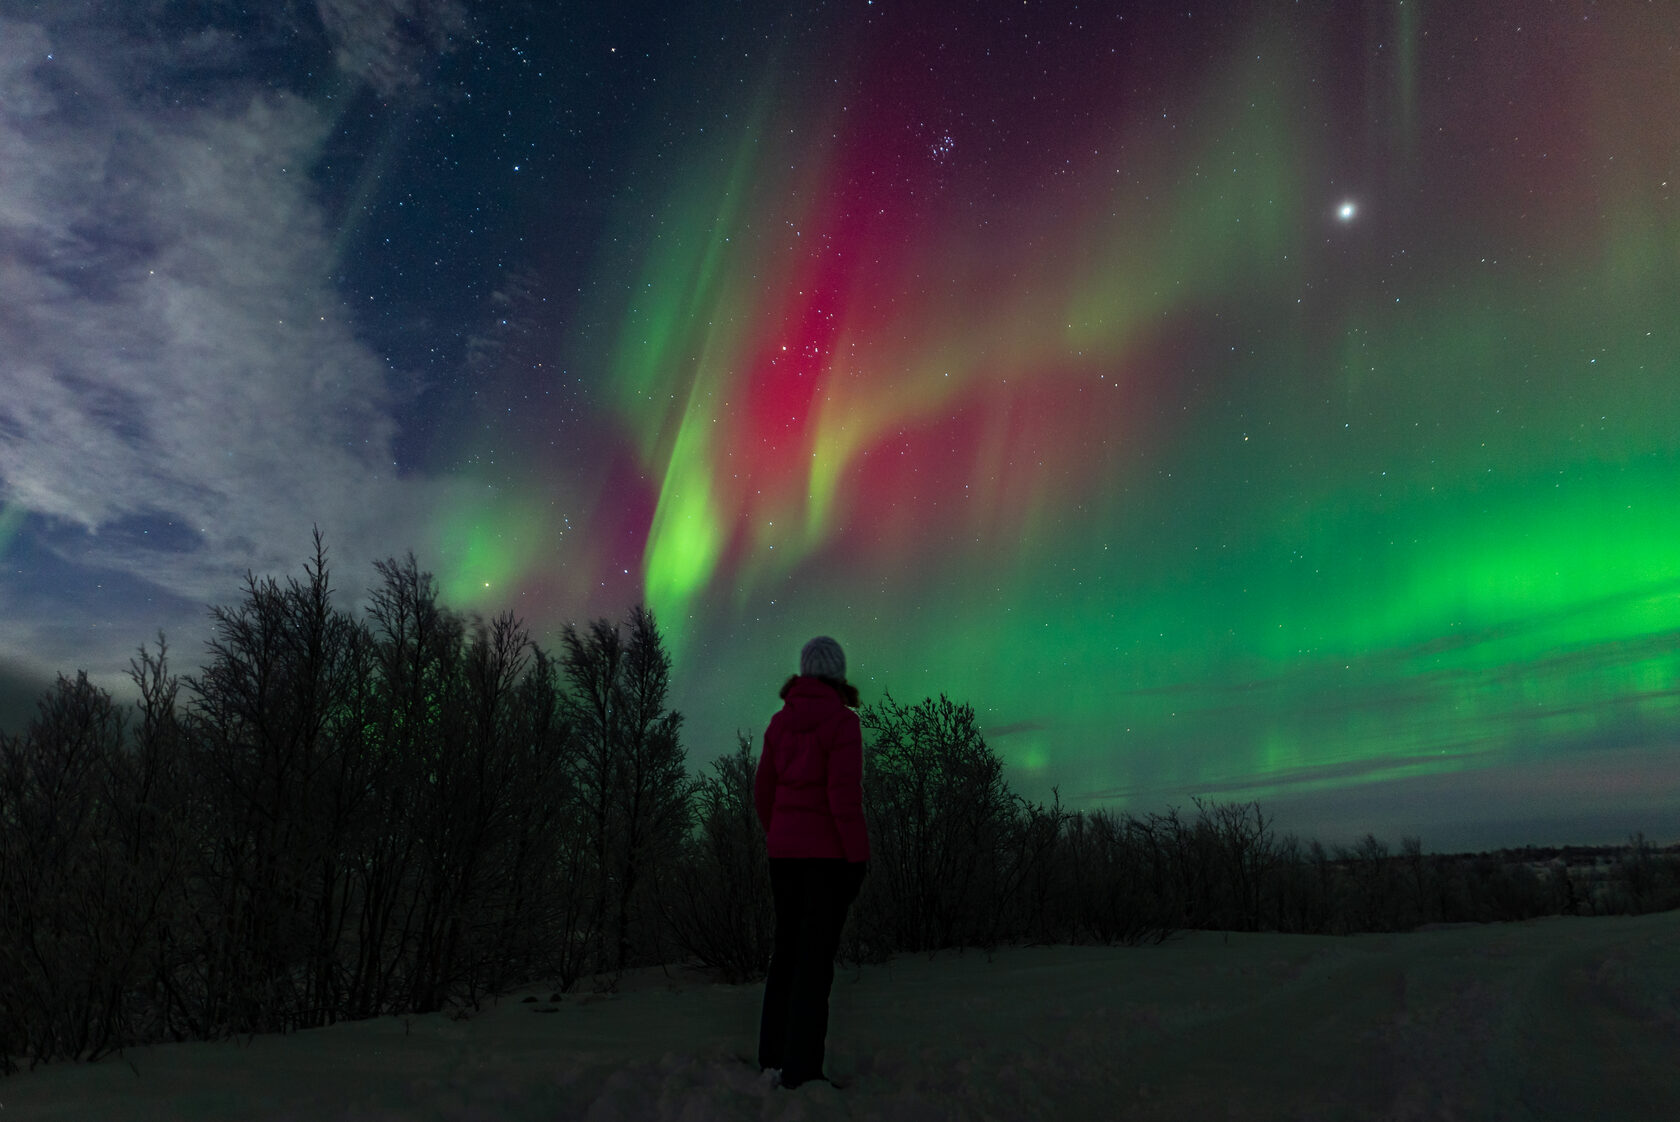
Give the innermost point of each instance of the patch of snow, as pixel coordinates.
(1564, 1018)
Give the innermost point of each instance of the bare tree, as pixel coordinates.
(939, 815)
(268, 720)
(655, 786)
(417, 656)
(64, 953)
(590, 664)
(1247, 852)
(629, 773)
(719, 906)
(147, 791)
(465, 809)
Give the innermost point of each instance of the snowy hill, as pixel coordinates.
(1562, 1018)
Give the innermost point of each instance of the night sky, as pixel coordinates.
(1248, 400)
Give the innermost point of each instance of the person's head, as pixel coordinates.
(823, 660)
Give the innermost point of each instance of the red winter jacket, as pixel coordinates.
(809, 786)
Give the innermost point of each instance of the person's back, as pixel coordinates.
(809, 783)
(808, 792)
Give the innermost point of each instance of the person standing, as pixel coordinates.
(808, 792)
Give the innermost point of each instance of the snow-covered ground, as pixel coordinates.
(1574, 1019)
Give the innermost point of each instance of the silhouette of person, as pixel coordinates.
(809, 795)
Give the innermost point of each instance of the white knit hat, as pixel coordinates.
(823, 658)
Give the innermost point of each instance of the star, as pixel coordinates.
(1347, 210)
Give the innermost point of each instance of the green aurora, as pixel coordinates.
(1108, 420)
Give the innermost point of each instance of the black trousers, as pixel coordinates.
(812, 895)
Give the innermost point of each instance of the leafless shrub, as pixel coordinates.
(939, 816)
(718, 901)
(62, 956)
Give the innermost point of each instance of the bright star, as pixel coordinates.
(1346, 211)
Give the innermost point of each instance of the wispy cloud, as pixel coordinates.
(390, 43)
(173, 354)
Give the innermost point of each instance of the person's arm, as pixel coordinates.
(764, 782)
(845, 789)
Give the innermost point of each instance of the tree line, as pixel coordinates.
(342, 816)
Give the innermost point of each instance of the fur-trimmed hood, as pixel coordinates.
(848, 692)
